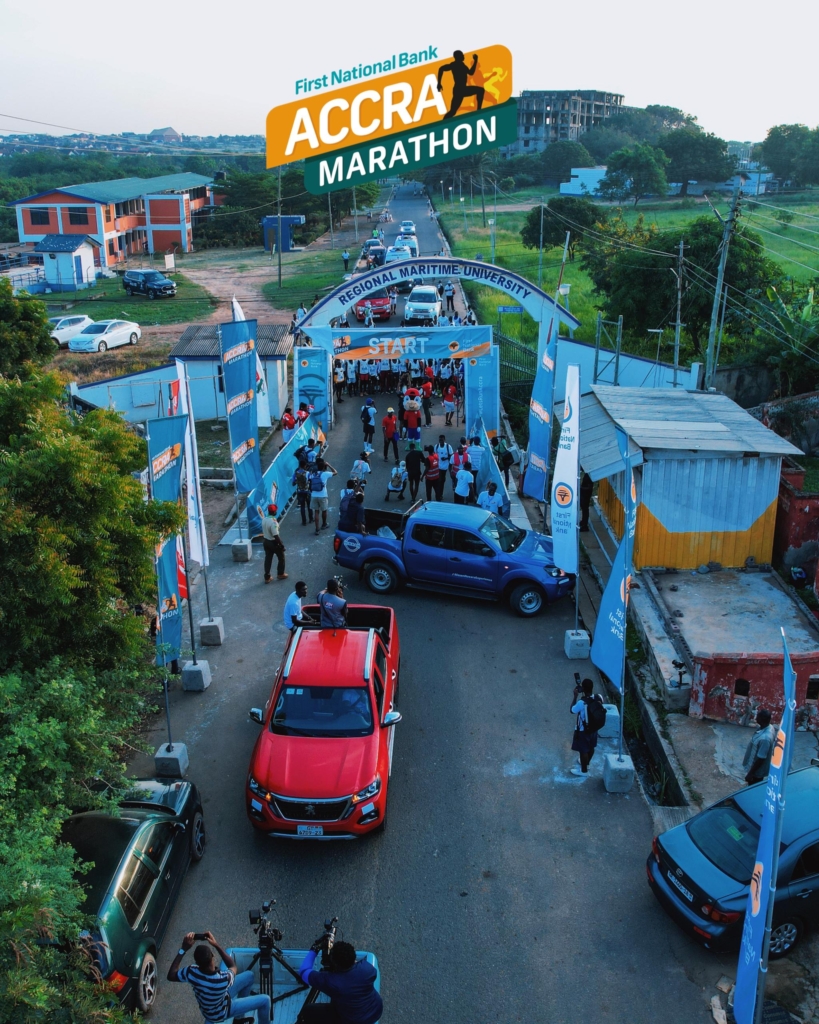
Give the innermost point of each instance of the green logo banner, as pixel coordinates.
(409, 151)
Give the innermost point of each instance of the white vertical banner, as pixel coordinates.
(565, 501)
(197, 538)
(262, 399)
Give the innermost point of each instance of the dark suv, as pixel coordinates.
(148, 282)
(139, 861)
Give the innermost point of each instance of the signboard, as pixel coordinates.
(510, 309)
(403, 342)
(482, 391)
(237, 344)
(170, 261)
(396, 115)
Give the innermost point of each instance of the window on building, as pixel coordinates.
(526, 143)
(526, 130)
(121, 242)
(111, 247)
(742, 688)
(77, 215)
(40, 217)
(812, 692)
(107, 214)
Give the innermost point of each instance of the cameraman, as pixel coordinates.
(220, 994)
(332, 605)
(349, 983)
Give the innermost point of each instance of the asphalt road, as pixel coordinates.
(504, 889)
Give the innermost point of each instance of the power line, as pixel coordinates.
(785, 209)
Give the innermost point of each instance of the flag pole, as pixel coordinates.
(200, 522)
(627, 511)
(230, 443)
(169, 747)
(555, 317)
(188, 585)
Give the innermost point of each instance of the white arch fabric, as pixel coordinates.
(537, 303)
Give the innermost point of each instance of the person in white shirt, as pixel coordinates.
(444, 452)
(463, 484)
(490, 499)
(351, 378)
(293, 615)
(585, 739)
(361, 467)
(319, 498)
(443, 320)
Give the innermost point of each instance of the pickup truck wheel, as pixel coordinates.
(527, 600)
(381, 578)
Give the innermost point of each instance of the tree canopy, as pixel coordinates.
(561, 214)
(694, 156)
(634, 173)
(25, 333)
(558, 159)
(783, 147)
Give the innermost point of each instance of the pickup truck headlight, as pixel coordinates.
(555, 572)
(368, 792)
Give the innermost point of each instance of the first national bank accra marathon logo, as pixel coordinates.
(398, 115)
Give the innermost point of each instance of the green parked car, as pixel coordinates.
(139, 860)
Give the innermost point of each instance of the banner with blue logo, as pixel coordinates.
(753, 952)
(536, 477)
(608, 646)
(482, 390)
(312, 382)
(565, 498)
(166, 440)
(237, 345)
(403, 342)
(277, 486)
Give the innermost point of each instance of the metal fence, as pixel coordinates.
(518, 364)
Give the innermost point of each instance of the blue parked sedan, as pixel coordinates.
(700, 871)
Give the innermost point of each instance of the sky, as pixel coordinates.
(207, 68)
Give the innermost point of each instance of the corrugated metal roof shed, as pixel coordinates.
(63, 243)
(668, 420)
(202, 341)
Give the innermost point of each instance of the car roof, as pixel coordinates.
(452, 515)
(327, 657)
(801, 803)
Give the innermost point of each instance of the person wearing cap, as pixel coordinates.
(368, 414)
(272, 545)
(389, 424)
(414, 465)
(397, 482)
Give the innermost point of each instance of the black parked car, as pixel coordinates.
(700, 871)
(148, 282)
(139, 861)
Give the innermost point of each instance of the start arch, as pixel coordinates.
(540, 306)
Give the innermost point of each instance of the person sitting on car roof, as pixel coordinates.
(332, 605)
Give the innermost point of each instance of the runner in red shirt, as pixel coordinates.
(450, 395)
(432, 474)
(390, 427)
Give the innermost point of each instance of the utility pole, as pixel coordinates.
(330, 210)
(678, 325)
(727, 231)
(540, 250)
(355, 214)
(279, 228)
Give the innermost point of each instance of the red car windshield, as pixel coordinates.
(374, 297)
(332, 711)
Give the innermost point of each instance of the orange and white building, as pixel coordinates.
(126, 216)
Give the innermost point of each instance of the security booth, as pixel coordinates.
(270, 227)
(68, 261)
(707, 474)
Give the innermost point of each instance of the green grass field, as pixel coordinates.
(306, 275)
(785, 244)
(107, 301)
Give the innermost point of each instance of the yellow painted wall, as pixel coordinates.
(655, 545)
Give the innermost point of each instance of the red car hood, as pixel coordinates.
(303, 766)
(373, 302)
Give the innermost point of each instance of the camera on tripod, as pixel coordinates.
(266, 932)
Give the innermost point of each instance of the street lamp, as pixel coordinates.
(564, 290)
(442, 190)
(463, 207)
(450, 194)
(492, 236)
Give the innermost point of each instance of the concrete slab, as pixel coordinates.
(618, 773)
(196, 677)
(576, 644)
(212, 631)
(242, 550)
(173, 763)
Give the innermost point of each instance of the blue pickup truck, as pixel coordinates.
(459, 549)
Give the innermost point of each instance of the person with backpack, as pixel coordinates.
(361, 469)
(591, 717)
(302, 484)
(368, 414)
(397, 482)
(319, 498)
(503, 456)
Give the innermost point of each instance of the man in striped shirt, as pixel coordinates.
(219, 993)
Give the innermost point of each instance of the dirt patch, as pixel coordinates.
(224, 282)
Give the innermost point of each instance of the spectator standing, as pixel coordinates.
(289, 425)
(463, 483)
(491, 499)
(449, 292)
(368, 414)
(389, 425)
(302, 484)
(450, 394)
(414, 464)
(273, 545)
(475, 452)
(440, 286)
(352, 377)
(339, 377)
(352, 517)
(346, 257)
(361, 469)
(332, 605)
(432, 472)
(584, 741)
(364, 375)
(426, 402)
(384, 375)
(503, 456)
(757, 758)
(458, 460)
(319, 498)
(586, 492)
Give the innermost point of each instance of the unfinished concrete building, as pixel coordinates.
(557, 115)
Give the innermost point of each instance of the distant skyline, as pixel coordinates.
(209, 70)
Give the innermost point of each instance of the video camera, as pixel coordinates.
(268, 935)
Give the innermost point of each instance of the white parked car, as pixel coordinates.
(397, 253)
(407, 227)
(63, 328)
(104, 335)
(423, 305)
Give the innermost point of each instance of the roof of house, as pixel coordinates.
(670, 420)
(202, 341)
(119, 190)
(63, 243)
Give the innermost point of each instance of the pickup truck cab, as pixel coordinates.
(321, 766)
(460, 549)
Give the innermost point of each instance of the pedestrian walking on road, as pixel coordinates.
(346, 257)
(476, 453)
(503, 456)
(584, 741)
(757, 760)
(490, 499)
(368, 414)
(463, 483)
(389, 425)
(302, 483)
(273, 545)
(432, 473)
(415, 464)
(449, 291)
(360, 471)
